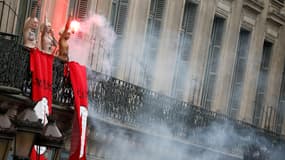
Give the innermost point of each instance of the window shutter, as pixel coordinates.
(239, 71)
(184, 49)
(33, 5)
(121, 17)
(159, 8)
(262, 83)
(82, 9)
(190, 13)
(212, 61)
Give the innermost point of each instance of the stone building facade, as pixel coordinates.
(225, 55)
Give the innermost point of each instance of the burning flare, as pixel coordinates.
(74, 26)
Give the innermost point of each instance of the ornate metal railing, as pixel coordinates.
(151, 112)
(115, 100)
(15, 72)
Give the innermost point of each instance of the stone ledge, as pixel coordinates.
(253, 5)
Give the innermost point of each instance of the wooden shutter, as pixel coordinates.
(212, 61)
(82, 9)
(189, 16)
(239, 71)
(281, 105)
(33, 5)
(122, 14)
(262, 82)
(159, 8)
(184, 49)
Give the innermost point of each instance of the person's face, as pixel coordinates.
(34, 23)
(67, 36)
(49, 28)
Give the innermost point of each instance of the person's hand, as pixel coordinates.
(52, 32)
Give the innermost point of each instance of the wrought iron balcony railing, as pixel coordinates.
(115, 100)
(15, 72)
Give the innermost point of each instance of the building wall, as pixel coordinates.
(264, 19)
(8, 15)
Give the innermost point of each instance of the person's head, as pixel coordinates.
(65, 35)
(48, 29)
(34, 23)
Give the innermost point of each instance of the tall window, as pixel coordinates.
(213, 61)
(119, 15)
(262, 82)
(78, 8)
(184, 48)
(152, 39)
(25, 10)
(118, 19)
(281, 105)
(239, 71)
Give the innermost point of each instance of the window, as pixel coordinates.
(281, 105)
(25, 10)
(8, 16)
(78, 8)
(119, 15)
(239, 71)
(152, 39)
(38, 10)
(262, 82)
(213, 61)
(118, 19)
(184, 49)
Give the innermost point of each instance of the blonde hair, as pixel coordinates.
(28, 22)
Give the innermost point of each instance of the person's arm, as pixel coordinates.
(54, 41)
(45, 26)
(67, 25)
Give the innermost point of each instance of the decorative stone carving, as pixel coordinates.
(253, 5)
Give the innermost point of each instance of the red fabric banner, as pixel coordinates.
(41, 68)
(79, 85)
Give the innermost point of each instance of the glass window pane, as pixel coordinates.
(239, 71)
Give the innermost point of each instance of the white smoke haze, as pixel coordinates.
(156, 141)
(91, 45)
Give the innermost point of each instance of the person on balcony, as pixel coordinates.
(48, 41)
(30, 29)
(63, 41)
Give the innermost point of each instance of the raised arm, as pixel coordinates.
(67, 25)
(44, 26)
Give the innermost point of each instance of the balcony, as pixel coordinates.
(119, 105)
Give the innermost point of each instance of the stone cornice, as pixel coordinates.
(276, 13)
(276, 18)
(224, 7)
(254, 5)
(277, 4)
